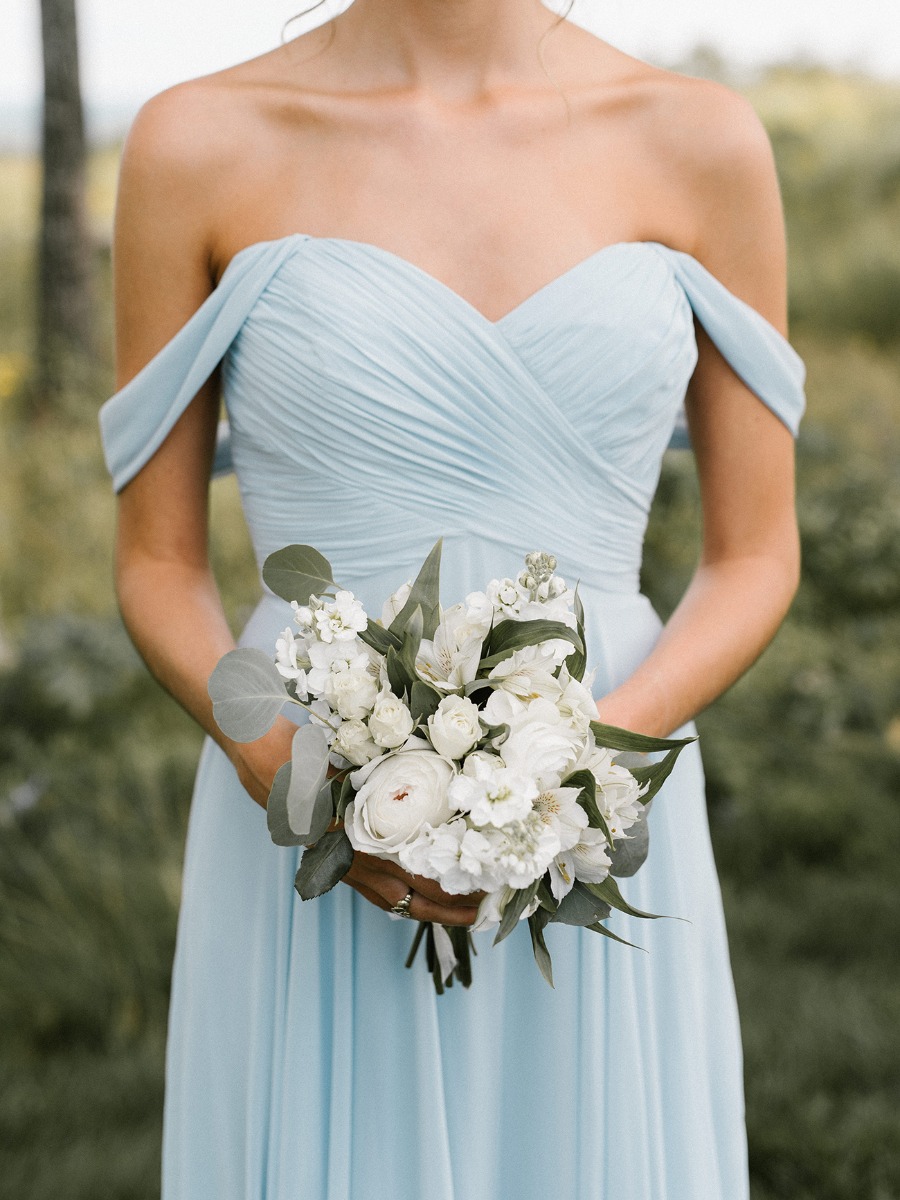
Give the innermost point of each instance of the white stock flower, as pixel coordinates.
(507, 597)
(491, 793)
(458, 857)
(454, 727)
(450, 659)
(289, 651)
(303, 617)
(353, 741)
(401, 793)
(524, 850)
(340, 619)
(394, 603)
(390, 722)
(343, 674)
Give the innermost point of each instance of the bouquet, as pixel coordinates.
(466, 749)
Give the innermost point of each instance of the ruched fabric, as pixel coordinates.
(372, 409)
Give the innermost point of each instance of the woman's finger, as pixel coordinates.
(425, 887)
(391, 891)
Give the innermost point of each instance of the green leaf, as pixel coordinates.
(425, 592)
(412, 636)
(518, 902)
(608, 890)
(247, 694)
(324, 864)
(576, 662)
(423, 700)
(379, 638)
(395, 672)
(630, 851)
(545, 897)
(615, 738)
(581, 907)
(536, 925)
(613, 936)
(416, 942)
(341, 794)
(309, 766)
(511, 635)
(276, 810)
(656, 774)
(298, 572)
(587, 798)
(460, 940)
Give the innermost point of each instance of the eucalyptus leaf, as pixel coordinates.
(424, 592)
(536, 923)
(298, 572)
(247, 694)
(276, 810)
(517, 904)
(581, 907)
(309, 766)
(631, 850)
(324, 864)
(342, 794)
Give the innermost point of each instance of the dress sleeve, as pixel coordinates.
(757, 352)
(135, 421)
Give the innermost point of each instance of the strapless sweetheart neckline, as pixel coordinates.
(406, 264)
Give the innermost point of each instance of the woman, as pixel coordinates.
(454, 277)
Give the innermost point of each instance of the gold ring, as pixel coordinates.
(401, 908)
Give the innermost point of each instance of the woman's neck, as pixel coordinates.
(452, 49)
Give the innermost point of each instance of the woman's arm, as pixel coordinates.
(166, 591)
(749, 563)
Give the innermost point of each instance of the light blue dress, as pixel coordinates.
(372, 409)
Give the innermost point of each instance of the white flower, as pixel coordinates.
(459, 857)
(303, 617)
(401, 793)
(618, 792)
(451, 658)
(394, 603)
(287, 652)
(390, 722)
(353, 741)
(586, 860)
(559, 808)
(343, 674)
(341, 618)
(528, 672)
(479, 612)
(507, 597)
(454, 727)
(541, 743)
(491, 793)
(524, 850)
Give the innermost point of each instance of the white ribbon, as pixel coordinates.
(447, 959)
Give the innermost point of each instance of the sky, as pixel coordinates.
(130, 49)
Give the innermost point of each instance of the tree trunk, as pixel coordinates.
(65, 302)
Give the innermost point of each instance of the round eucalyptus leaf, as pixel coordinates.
(247, 694)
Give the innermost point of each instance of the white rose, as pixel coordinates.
(390, 722)
(394, 603)
(354, 742)
(454, 728)
(401, 793)
(351, 692)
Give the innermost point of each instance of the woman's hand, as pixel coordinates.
(257, 762)
(384, 884)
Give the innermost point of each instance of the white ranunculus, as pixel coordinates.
(491, 793)
(541, 743)
(458, 857)
(394, 603)
(289, 654)
(339, 619)
(390, 722)
(454, 727)
(450, 659)
(401, 793)
(354, 742)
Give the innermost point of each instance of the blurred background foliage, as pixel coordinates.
(802, 755)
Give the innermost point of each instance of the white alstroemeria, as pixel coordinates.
(528, 672)
(394, 603)
(491, 793)
(490, 911)
(354, 742)
(479, 613)
(618, 799)
(587, 860)
(559, 808)
(458, 857)
(507, 597)
(541, 743)
(390, 721)
(291, 661)
(401, 793)
(523, 850)
(454, 727)
(450, 659)
(340, 619)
